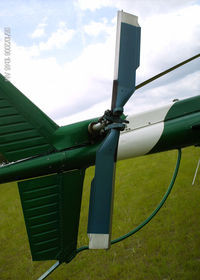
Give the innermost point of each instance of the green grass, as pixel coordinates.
(167, 248)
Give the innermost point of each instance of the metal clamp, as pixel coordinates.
(108, 121)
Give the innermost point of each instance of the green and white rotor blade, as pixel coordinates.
(102, 190)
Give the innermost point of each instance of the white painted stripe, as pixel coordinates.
(99, 241)
(147, 118)
(139, 142)
(129, 19)
(142, 133)
(117, 45)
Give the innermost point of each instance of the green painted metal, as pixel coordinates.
(24, 129)
(184, 107)
(67, 137)
(78, 158)
(51, 207)
(181, 126)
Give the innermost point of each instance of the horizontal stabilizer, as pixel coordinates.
(25, 130)
(51, 207)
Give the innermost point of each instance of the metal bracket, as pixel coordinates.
(120, 126)
(108, 121)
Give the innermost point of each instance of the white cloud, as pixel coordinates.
(37, 78)
(94, 111)
(93, 5)
(95, 28)
(39, 31)
(58, 39)
(141, 7)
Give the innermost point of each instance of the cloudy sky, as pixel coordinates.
(62, 53)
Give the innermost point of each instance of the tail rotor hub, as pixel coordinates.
(108, 121)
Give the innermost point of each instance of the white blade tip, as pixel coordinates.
(99, 241)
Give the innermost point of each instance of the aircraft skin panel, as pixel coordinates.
(51, 208)
(139, 142)
(144, 119)
(181, 125)
(25, 131)
(142, 133)
(162, 129)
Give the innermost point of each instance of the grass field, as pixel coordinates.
(167, 248)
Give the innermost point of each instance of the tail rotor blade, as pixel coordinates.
(127, 55)
(102, 189)
(101, 196)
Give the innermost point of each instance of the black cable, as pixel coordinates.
(166, 71)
